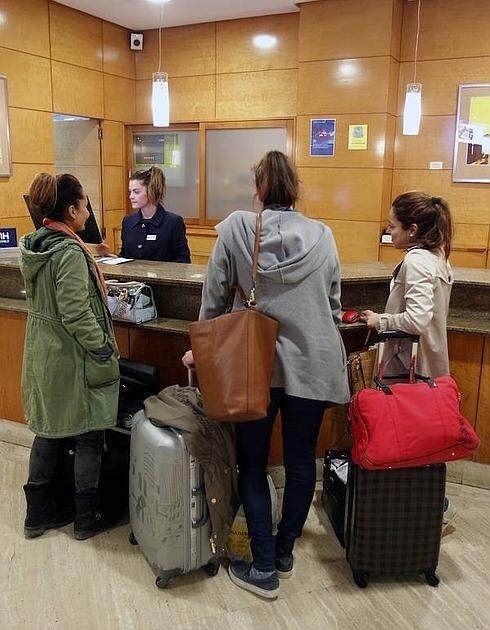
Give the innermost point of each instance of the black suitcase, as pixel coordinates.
(138, 381)
(335, 471)
(394, 522)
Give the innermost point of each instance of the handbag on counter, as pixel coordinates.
(131, 301)
(360, 367)
(234, 356)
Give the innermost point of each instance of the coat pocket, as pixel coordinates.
(100, 373)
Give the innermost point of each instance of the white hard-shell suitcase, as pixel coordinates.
(168, 511)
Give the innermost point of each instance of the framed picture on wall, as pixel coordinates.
(322, 136)
(472, 137)
(5, 158)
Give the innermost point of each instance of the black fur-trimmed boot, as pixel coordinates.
(89, 519)
(41, 514)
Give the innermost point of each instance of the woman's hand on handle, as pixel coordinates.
(370, 318)
(188, 359)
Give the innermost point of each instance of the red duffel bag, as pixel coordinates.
(412, 424)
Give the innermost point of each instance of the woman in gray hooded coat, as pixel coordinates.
(298, 284)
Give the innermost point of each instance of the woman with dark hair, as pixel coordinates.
(70, 376)
(298, 284)
(421, 285)
(420, 290)
(152, 232)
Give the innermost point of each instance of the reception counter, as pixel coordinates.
(177, 289)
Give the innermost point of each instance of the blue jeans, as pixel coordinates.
(301, 422)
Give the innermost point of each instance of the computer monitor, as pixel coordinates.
(91, 233)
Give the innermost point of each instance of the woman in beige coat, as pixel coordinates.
(421, 285)
(420, 289)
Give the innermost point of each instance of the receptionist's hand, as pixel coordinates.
(188, 359)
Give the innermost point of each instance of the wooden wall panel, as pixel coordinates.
(12, 333)
(31, 134)
(76, 37)
(114, 187)
(440, 80)
(434, 143)
(483, 416)
(12, 189)
(113, 144)
(465, 357)
(469, 203)
(251, 95)
(236, 51)
(122, 340)
(112, 224)
(77, 90)
(459, 22)
(346, 194)
(118, 58)
(24, 70)
(357, 241)
(25, 26)
(350, 86)
(186, 51)
(381, 134)
(190, 99)
(119, 98)
(336, 29)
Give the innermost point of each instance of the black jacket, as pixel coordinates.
(160, 238)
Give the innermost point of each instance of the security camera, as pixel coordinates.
(136, 41)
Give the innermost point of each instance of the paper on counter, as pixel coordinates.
(113, 260)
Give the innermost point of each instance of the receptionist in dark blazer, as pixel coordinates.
(152, 232)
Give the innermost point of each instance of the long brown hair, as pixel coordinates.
(431, 215)
(154, 180)
(277, 180)
(54, 194)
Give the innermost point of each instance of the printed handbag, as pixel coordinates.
(131, 301)
(410, 424)
(234, 356)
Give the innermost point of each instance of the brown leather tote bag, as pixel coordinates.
(234, 357)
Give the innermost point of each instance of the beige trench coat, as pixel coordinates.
(418, 303)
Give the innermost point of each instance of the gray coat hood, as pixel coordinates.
(291, 246)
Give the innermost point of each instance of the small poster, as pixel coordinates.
(8, 237)
(358, 137)
(322, 137)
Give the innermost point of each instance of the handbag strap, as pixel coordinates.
(255, 260)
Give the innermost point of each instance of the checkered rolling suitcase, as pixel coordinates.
(394, 522)
(394, 515)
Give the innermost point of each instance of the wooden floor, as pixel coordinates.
(105, 584)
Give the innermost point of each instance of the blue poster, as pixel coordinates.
(8, 237)
(322, 136)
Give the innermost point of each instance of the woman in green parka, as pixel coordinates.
(70, 378)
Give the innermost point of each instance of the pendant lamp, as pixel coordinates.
(160, 105)
(413, 97)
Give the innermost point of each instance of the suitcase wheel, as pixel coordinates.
(132, 539)
(162, 581)
(431, 577)
(360, 579)
(211, 568)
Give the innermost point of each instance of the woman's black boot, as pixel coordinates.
(89, 519)
(41, 514)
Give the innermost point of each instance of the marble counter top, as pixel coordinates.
(193, 275)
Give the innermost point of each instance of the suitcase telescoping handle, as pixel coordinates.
(412, 376)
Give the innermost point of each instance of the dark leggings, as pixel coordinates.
(301, 422)
(88, 454)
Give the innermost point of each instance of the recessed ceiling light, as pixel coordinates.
(159, 1)
(265, 41)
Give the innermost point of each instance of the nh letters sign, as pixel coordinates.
(8, 237)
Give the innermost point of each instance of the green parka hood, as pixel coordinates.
(37, 248)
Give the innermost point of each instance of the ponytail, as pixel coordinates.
(432, 217)
(154, 180)
(53, 195)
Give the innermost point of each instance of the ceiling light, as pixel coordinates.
(412, 111)
(265, 41)
(160, 103)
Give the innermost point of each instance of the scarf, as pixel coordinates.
(59, 226)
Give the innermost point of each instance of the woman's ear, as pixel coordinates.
(413, 230)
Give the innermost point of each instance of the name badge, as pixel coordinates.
(151, 237)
